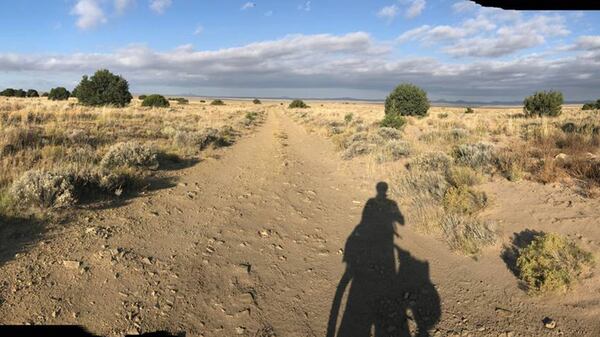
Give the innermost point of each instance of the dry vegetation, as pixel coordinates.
(434, 163)
(55, 154)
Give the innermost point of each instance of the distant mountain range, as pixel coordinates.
(439, 102)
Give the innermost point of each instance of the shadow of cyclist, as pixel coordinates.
(383, 297)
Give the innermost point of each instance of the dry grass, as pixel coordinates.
(433, 163)
(54, 140)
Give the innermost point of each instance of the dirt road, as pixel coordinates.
(250, 242)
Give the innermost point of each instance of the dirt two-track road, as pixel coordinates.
(255, 241)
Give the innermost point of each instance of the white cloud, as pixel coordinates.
(89, 13)
(160, 6)
(464, 6)
(199, 30)
(388, 12)
(248, 5)
(415, 9)
(352, 62)
(491, 33)
(122, 5)
(305, 6)
(269, 13)
(587, 42)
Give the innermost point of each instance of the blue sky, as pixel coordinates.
(455, 49)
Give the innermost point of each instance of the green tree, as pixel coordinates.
(543, 103)
(9, 92)
(59, 94)
(298, 104)
(156, 101)
(103, 88)
(32, 93)
(407, 100)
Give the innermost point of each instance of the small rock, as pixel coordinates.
(549, 323)
(246, 298)
(240, 330)
(71, 264)
(147, 261)
(561, 156)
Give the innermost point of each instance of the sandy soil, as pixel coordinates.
(256, 240)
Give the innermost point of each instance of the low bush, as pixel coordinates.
(44, 189)
(394, 150)
(180, 100)
(131, 154)
(156, 101)
(543, 103)
(469, 111)
(256, 101)
(32, 93)
(355, 149)
(298, 104)
(459, 176)
(551, 262)
(467, 234)
(217, 102)
(142, 97)
(591, 106)
(389, 133)
(477, 156)
(59, 94)
(510, 163)
(348, 117)
(199, 140)
(394, 121)
(464, 200)
(431, 161)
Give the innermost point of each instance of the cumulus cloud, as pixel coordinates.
(415, 9)
(122, 5)
(160, 6)
(587, 42)
(490, 33)
(388, 12)
(324, 63)
(248, 5)
(89, 14)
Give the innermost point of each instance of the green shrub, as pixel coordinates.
(131, 154)
(32, 93)
(59, 94)
(298, 104)
(543, 103)
(156, 101)
(464, 200)
(469, 111)
(592, 105)
(142, 97)
(9, 92)
(551, 262)
(180, 100)
(348, 117)
(407, 100)
(20, 93)
(256, 101)
(103, 88)
(45, 94)
(393, 121)
(217, 102)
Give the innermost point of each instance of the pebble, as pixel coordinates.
(549, 323)
(71, 264)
